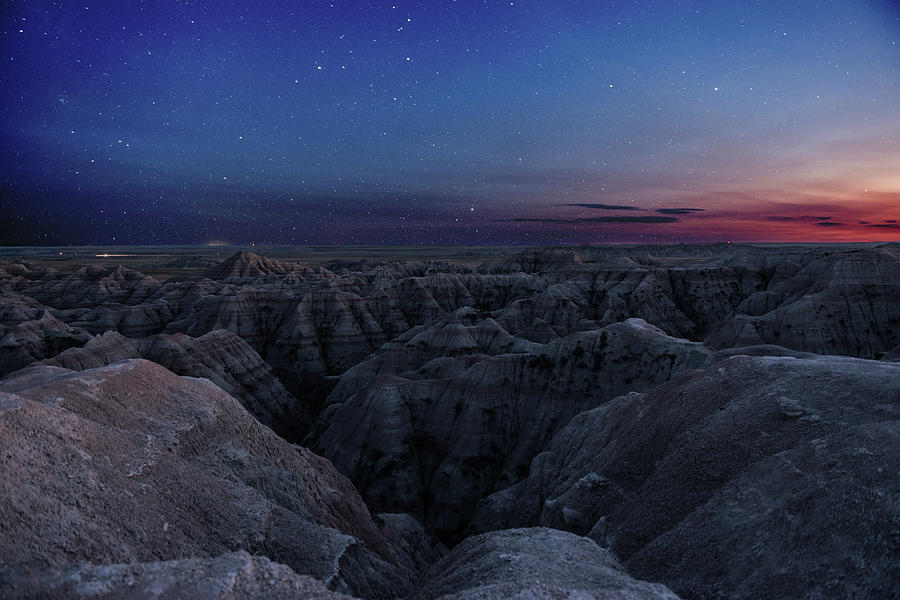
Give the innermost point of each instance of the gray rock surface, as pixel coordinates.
(220, 356)
(845, 304)
(232, 576)
(311, 325)
(32, 340)
(538, 563)
(434, 447)
(433, 351)
(247, 266)
(409, 537)
(131, 463)
(757, 477)
(88, 286)
(458, 400)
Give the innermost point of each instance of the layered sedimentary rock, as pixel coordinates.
(820, 300)
(233, 365)
(742, 463)
(311, 325)
(757, 477)
(131, 463)
(533, 563)
(127, 481)
(247, 266)
(433, 447)
(433, 351)
(17, 308)
(417, 546)
(35, 339)
(220, 356)
(835, 305)
(88, 286)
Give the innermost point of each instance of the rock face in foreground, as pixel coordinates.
(131, 463)
(233, 576)
(536, 564)
(759, 477)
(220, 356)
(127, 481)
(524, 563)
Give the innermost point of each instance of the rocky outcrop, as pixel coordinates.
(131, 463)
(99, 351)
(434, 447)
(220, 356)
(232, 576)
(835, 305)
(757, 477)
(834, 301)
(230, 363)
(88, 286)
(533, 563)
(311, 325)
(418, 547)
(250, 266)
(17, 308)
(670, 403)
(30, 341)
(428, 352)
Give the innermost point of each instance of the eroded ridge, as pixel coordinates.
(708, 421)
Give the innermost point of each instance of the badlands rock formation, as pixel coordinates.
(533, 563)
(434, 446)
(232, 576)
(757, 477)
(311, 325)
(27, 341)
(721, 420)
(220, 356)
(131, 463)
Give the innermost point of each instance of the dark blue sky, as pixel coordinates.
(451, 122)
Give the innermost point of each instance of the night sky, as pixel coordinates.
(516, 122)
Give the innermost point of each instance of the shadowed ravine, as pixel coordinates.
(695, 421)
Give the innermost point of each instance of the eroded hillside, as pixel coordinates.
(720, 419)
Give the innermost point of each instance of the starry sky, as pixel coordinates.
(475, 122)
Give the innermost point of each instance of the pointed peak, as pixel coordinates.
(245, 264)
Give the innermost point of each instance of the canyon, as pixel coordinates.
(649, 421)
